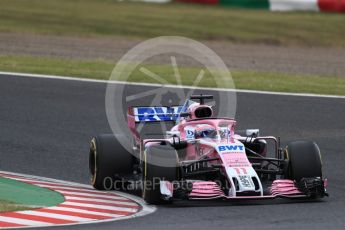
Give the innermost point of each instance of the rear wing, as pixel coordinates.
(154, 113)
(145, 121)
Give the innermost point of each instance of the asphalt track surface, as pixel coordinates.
(46, 125)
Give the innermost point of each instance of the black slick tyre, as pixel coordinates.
(108, 158)
(304, 160)
(159, 163)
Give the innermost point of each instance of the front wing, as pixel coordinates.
(282, 188)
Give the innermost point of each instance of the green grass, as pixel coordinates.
(6, 206)
(100, 69)
(113, 18)
(16, 195)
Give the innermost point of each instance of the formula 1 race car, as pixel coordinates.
(203, 157)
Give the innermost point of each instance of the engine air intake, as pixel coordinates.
(202, 112)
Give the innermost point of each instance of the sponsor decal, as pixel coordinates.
(245, 181)
(230, 148)
(238, 170)
(235, 159)
(190, 131)
(189, 134)
(157, 113)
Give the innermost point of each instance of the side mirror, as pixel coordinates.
(176, 142)
(186, 114)
(173, 134)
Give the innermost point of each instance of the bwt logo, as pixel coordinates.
(157, 113)
(223, 148)
(189, 134)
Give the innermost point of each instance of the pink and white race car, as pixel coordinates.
(203, 157)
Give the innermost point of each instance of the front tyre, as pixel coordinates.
(160, 163)
(305, 168)
(108, 159)
(304, 160)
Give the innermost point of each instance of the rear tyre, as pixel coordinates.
(107, 159)
(160, 163)
(304, 160)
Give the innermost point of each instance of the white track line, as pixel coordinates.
(82, 211)
(87, 194)
(57, 216)
(105, 207)
(94, 197)
(86, 191)
(97, 200)
(55, 77)
(24, 221)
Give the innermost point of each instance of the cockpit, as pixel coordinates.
(216, 132)
(208, 132)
